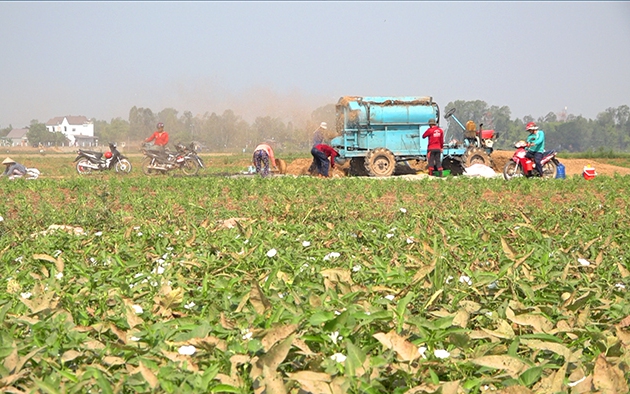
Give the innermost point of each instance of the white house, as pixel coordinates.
(78, 129)
(17, 137)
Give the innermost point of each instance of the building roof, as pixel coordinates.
(17, 133)
(73, 120)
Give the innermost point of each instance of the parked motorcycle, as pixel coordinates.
(88, 161)
(184, 159)
(519, 165)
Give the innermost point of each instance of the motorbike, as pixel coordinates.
(521, 166)
(184, 159)
(88, 161)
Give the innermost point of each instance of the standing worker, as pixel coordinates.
(321, 153)
(535, 146)
(436, 145)
(13, 169)
(263, 158)
(159, 136)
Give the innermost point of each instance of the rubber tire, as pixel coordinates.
(190, 167)
(550, 170)
(81, 169)
(380, 162)
(511, 170)
(146, 162)
(475, 155)
(123, 166)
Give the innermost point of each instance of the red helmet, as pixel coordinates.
(160, 125)
(108, 155)
(531, 126)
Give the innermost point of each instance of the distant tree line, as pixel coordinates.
(228, 132)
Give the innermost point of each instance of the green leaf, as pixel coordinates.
(354, 359)
(530, 376)
(321, 317)
(224, 388)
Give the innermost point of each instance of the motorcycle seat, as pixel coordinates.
(91, 152)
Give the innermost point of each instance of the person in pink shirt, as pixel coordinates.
(436, 145)
(263, 159)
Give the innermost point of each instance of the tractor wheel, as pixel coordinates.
(380, 162)
(475, 155)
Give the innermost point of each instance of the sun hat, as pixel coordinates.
(323, 125)
(8, 160)
(432, 121)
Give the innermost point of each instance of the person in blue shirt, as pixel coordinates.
(535, 145)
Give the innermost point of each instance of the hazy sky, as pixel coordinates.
(98, 59)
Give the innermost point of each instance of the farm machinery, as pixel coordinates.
(377, 133)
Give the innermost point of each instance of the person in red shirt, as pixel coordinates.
(159, 136)
(321, 153)
(436, 145)
(263, 159)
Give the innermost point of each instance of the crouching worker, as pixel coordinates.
(263, 159)
(321, 153)
(13, 170)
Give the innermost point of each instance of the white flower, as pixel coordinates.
(403, 210)
(449, 279)
(248, 335)
(135, 339)
(331, 255)
(1, 219)
(389, 235)
(139, 233)
(272, 252)
(422, 350)
(190, 305)
(584, 262)
(465, 279)
(306, 244)
(137, 309)
(338, 357)
(136, 228)
(390, 297)
(98, 233)
(26, 295)
(57, 253)
(59, 275)
(356, 268)
(187, 350)
(410, 240)
(620, 286)
(441, 353)
(159, 270)
(334, 336)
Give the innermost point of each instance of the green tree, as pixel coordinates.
(37, 133)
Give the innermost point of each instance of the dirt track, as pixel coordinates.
(572, 166)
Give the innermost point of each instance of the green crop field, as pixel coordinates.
(134, 284)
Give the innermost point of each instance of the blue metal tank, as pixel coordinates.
(378, 112)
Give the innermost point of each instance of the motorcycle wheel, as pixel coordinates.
(190, 167)
(512, 170)
(83, 167)
(550, 170)
(123, 166)
(146, 163)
